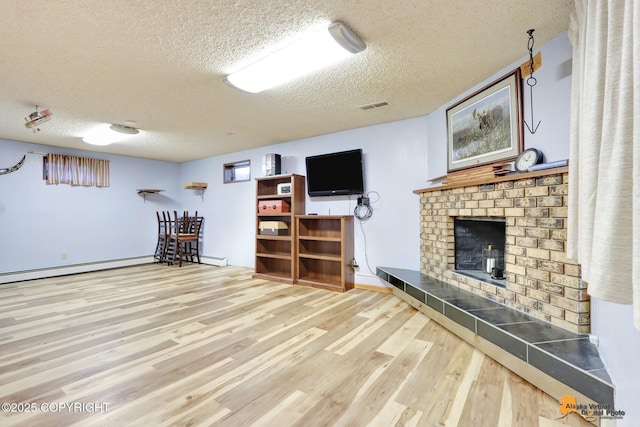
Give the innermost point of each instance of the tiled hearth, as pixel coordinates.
(564, 356)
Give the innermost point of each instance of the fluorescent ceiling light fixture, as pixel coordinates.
(316, 50)
(108, 134)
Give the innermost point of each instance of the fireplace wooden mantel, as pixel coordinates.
(503, 178)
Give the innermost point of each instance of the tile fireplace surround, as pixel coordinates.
(540, 280)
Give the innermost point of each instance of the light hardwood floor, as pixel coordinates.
(201, 345)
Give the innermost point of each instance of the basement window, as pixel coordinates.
(237, 171)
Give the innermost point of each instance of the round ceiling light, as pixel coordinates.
(106, 134)
(128, 130)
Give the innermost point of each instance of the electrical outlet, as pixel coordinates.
(63, 255)
(363, 201)
(354, 263)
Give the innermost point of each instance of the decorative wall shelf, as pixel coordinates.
(195, 185)
(198, 186)
(146, 191)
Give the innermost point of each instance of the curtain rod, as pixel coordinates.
(36, 152)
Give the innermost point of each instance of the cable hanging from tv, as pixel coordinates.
(363, 210)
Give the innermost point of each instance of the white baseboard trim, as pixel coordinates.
(41, 273)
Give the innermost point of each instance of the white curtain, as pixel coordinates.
(604, 159)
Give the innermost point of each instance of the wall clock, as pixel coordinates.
(528, 158)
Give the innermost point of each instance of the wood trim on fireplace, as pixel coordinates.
(515, 176)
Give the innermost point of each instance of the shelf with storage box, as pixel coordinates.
(325, 251)
(279, 199)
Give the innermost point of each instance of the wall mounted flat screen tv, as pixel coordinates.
(335, 174)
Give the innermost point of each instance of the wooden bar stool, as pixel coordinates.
(163, 229)
(184, 239)
(188, 238)
(171, 248)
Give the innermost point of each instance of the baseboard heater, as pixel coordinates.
(212, 260)
(42, 273)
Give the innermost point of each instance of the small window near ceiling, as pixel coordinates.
(237, 171)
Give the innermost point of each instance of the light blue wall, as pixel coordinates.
(40, 222)
(102, 224)
(394, 158)
(619, 345)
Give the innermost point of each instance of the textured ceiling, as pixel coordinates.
(161, 64)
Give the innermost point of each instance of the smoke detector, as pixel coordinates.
(35, 119)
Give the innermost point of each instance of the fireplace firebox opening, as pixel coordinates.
(479, 248)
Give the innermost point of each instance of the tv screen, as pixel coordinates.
(335, 174)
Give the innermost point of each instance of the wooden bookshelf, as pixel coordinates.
(275, 257)
(325, 251)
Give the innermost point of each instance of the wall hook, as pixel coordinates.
(531, 81)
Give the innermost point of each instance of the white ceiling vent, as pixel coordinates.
(373, 105)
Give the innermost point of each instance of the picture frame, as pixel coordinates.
(487, 126)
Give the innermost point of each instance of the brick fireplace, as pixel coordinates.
(540, 279)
